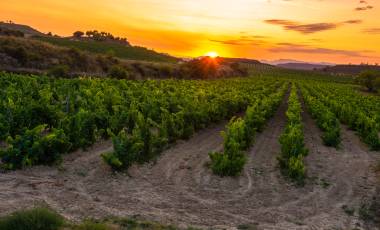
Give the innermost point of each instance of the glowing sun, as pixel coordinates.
(212, 54)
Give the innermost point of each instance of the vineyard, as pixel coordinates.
(281, 150)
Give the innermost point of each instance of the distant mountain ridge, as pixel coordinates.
(302, 66)
(286, 61)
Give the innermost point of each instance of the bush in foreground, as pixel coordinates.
(45, 219)
(32, 219)
(231, 162)
(38, 146)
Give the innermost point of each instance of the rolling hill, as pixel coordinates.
(118, 50)
(27, 30)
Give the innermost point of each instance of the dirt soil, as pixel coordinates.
(179, 188)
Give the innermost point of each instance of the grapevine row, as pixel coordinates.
(141, 144)
(293, 148)
(42, 118)
(240, 134)
(326, 120)
(368, 104)
(349, 113)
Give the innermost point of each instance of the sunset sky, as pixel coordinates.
(339, 31)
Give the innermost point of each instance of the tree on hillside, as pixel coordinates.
(369, 79)
(204, 68)
(89, 33)
(78, 34)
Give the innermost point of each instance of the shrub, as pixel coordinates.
(33, 147)
(227, 165)
(81, 129)
(369, 79)
(4, 127)
(331, 137)
(33, 219)
(232, 161)
(118, 72)
(59, 71)
(296, 168)
(18, 53)
(127, 150)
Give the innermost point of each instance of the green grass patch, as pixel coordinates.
(32, 219)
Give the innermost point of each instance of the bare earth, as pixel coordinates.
(179, 188)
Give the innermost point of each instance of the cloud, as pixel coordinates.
(369, 7)
(242, 40)
(308, 28)
(353, 22)
(372, 30)
(364, 5)
(300, 48)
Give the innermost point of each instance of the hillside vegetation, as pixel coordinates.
(107, 48)
(350, 69)
(23, 55)
(25, 29)
(31, 56)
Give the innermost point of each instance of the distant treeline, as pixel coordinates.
(100, 36)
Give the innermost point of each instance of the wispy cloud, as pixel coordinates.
(364, 5)
(309, 28)
(372, 30)
(242, 40)
(300, 48)
(360, 8)
(352, 22)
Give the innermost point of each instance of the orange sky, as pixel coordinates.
(340, 31)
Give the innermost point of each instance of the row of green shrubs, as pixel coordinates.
(41, 118)
(326, 120)
(36, 146)
(44, 219)
(349, 113)
(146, 139)
(240, 134)
(293, 149)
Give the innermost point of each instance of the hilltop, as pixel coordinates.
(121, 49)
(25, 29)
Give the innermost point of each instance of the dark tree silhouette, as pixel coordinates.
(78, 34)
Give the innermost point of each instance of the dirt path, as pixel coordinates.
(181, 190)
